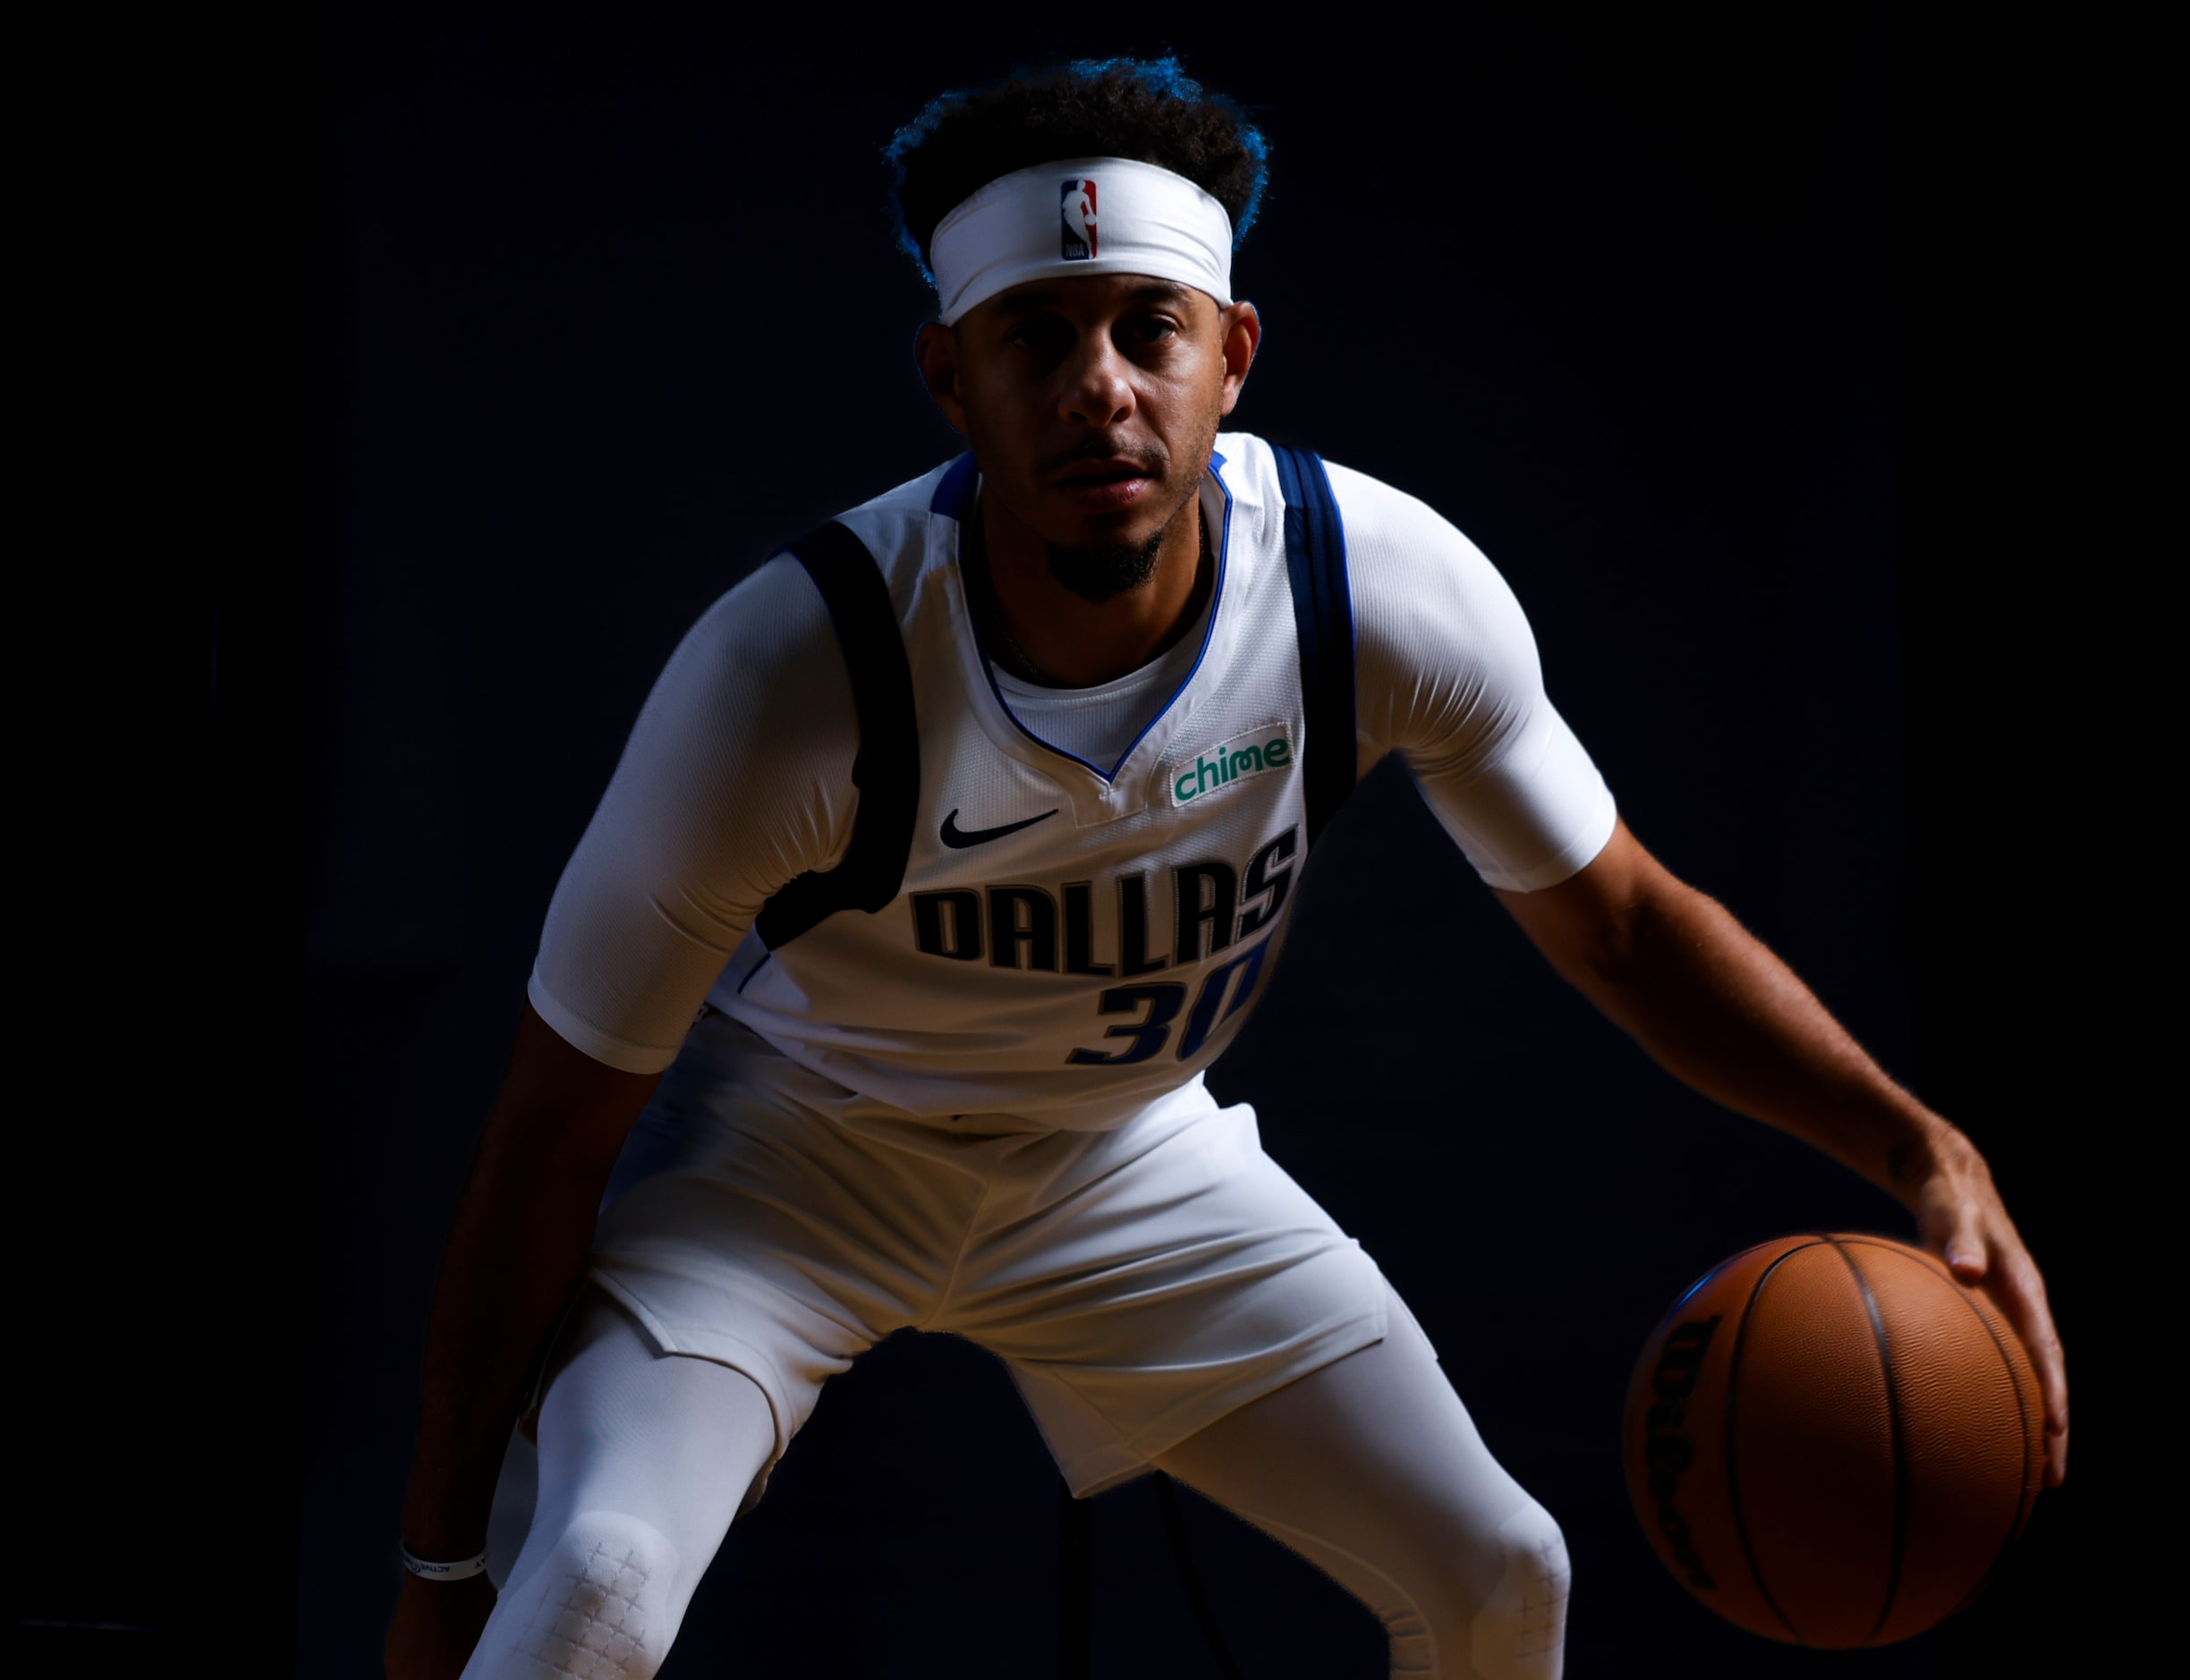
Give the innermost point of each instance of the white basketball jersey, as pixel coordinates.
(1068, 935)
(829, 823)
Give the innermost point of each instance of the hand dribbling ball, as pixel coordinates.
(1830, 1442)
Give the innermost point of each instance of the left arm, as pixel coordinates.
(1446, 677)
(1718, 1010)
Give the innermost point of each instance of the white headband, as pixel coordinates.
(1080, 215)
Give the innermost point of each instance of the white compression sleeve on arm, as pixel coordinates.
(737, 778)
(1446, 677)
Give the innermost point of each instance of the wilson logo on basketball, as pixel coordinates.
(1666, 1451)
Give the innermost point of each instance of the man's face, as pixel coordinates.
(1092, 402)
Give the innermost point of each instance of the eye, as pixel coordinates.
(1043, 336)
(1150, 329)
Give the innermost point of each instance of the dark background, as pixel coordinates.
(435, 373)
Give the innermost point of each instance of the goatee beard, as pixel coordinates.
(1099, 570)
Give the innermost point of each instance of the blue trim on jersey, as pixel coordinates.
(1322, 610)
(1208, 629)
(1208, 625)
(956, 486)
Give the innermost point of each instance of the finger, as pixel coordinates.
(1957, 1233)
(2020, 1293)
(2056, 1454)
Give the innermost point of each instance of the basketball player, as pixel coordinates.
(949, 851)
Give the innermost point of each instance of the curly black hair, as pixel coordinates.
(1147, 109)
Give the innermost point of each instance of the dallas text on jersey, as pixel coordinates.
(1214, 905)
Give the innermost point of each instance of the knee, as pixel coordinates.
(1518, 1633)
(603, 1604)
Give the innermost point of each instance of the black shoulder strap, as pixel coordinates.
(887, 771)
(1323, 615)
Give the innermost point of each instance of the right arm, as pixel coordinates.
(737, 777)
(517, 1254)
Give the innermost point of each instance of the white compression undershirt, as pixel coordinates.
(1099, 724)
(737, 777)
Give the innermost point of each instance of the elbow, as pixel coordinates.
(1646, 935)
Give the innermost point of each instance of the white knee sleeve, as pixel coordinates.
(1520, 1631)
(603, 1605)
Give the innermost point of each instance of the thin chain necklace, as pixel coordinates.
(1020, 659)
(989, 605)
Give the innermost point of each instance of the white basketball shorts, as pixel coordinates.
(1139, 1282)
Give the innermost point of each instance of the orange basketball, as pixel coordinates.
(1830, 1442)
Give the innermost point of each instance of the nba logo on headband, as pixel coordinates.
(1039, 222)
(1077, 212)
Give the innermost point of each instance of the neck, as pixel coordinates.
(1053, 636)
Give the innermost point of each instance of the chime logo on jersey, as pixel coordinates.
(1256, 752)
(1077, 213)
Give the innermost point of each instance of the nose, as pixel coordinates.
(1096, 391)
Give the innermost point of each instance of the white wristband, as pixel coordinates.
(463, 1571)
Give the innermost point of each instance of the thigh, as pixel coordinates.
(1373, 1469)
(644, 1459)
(1142, 1285)
(778, 1243)
(674, 1440)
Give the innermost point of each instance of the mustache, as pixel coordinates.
(1148, 458)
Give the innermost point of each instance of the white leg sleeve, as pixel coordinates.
(1372, 1469)
(643, 1460)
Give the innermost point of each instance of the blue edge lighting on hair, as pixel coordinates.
(1164, 76)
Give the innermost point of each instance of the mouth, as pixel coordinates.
(1108, 486)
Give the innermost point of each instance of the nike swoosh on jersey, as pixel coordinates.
(958, 838)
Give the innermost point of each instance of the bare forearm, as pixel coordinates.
(516, 1252)
(1718, 1010)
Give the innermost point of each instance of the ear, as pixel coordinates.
(936, 352)
(1241, 328)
